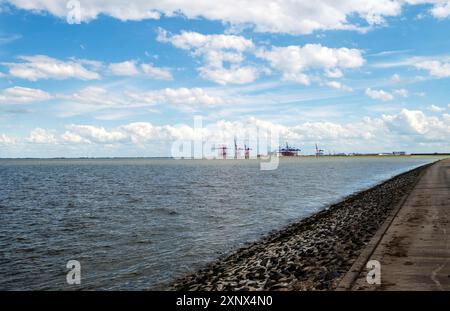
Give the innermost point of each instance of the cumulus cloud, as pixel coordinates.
(203, 44)
(435, 68)
(297, 62)
(386, 96)
(38, 67)
(43, 67)
(42, 136)
(435, 108)
(136, 133)
(338, 86)
(90, 133)
(416, 122)
(403, 126)
(232, 75)
(72, 138)
(222, 55)
(379, 94)
(156, 72)
(127, 68)
(131, 68)
(441, 9)
(22, 95)
(275, 16)
(7, 140)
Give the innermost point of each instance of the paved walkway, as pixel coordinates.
(414, 249)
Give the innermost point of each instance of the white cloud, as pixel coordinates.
(441, 10)
(38, 67)
(415, 122)
(42, 136)
(276, 16)
(296, 62)
(72, 138)
(384, 95)
(435, 68)
(118, 104)
(89, 100)
(408, 121)
(334, 73)
(90, 133)
(338, 85)
(200, 43)
(7, 140)
(131, 68)
(155, 72)
(136, 132)
(22, 95)
(43, 67)
(401, 92)
(140, 132)
(379, 94)
(232, 75)
(435, 108)
(189, 97)
(446, 117)
(273, 16)
(94, 95)
(222, 55)
(405, 126)
(127, 68)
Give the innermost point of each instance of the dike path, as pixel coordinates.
(413, 245)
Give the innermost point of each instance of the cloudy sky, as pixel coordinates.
(126, 78)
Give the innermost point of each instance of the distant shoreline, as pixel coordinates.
(294, 157)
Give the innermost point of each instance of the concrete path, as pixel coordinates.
(413, 248)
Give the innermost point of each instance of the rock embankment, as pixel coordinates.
(312, 254)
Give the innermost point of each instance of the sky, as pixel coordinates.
(110, 78)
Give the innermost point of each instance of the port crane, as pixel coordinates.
(247, 151)
(223, 151)
(236, 149)
(319, 152)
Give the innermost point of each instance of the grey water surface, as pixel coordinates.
(139, 223)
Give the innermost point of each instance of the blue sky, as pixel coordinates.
(128, 79)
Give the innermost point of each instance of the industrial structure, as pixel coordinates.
(236, 149)
(283, 151)
(289, 151)
(319, 152)
(247, 151)
(223, 151)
